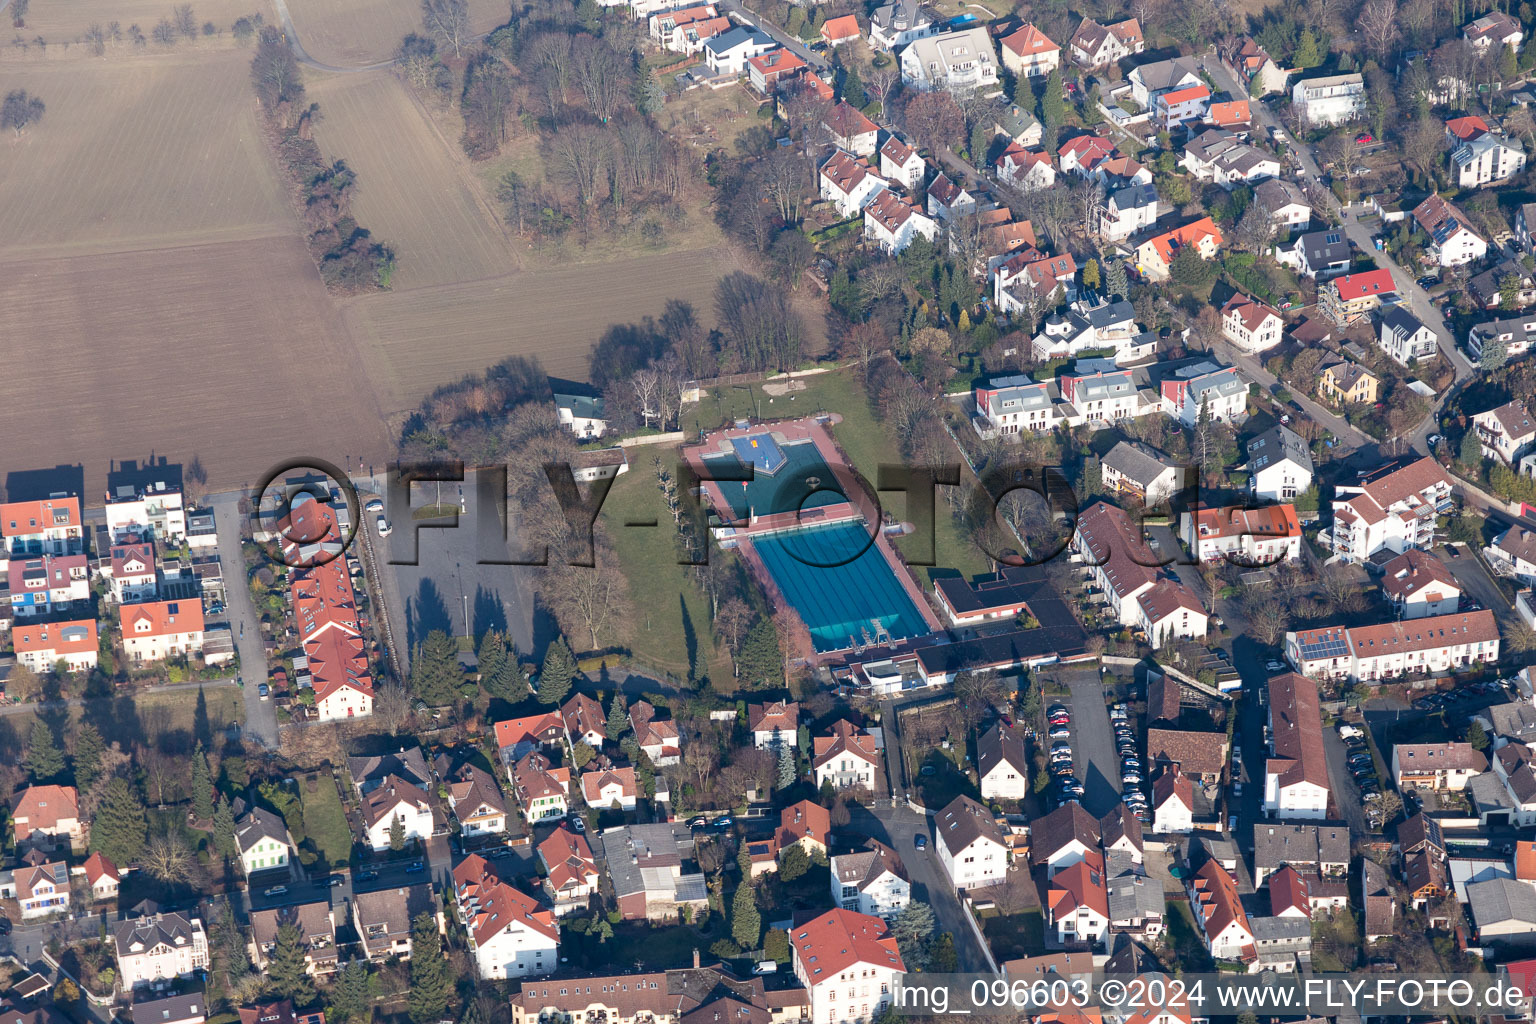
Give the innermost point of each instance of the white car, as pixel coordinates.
(374, 505)
(1274, 666)
(384, 528)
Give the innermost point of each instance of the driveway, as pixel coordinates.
(1093, 740)
(1474, 578)
(1346, 795)
(260, 715)
(784, 39)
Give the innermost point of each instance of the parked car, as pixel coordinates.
(337, 881)
(921, 842)
(383, 526)
(578, 824)
(415, 868)
(1274, 666)
(1060, 732)
(263, 691)
(276, 890)
(366, 876)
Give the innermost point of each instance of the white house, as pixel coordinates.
(392, 800)
(849, 964)
(892, 223)
(1141, 474)
(1414, 647)
(475, 798)
(157, 630)
(1216, 390)
(147, 500)
(1224, 158)
(1223, 922)
(582, 415)
(959, 62)
(606, 787)
(1320, 255)
(1010, 406)
(1391, 506)
(570, 871)
(848, 183)
(1030, 53)
(1487, 159)
(847, 759)
(1452, 238)
(1250, 324)
(1328, 101)
(1404, 336)
(1279, 464)
(1494, 28)
(41, 646)
(1173, 802)
(132, 572)
(42, 889)
(509, 934)
(1286, 202)
(1419, 585)
(894, 25)
(157, 948)
(1296, 774)
(1096, 46)
(51, 526)
(1505, 433)
(1169, 610)
(262, 840)
(902, 164)
(948, 202)
(871, 881)
(1002, 764)
(774, 724)
(1111, 547)
(1148, 81)
(541, 788)
(1446, 766)
(1128, 211)
(1245, 536)
(102, 877)
(971, 845)
(851, 131)
(728, 52)
(1078, 903)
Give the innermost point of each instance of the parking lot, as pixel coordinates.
(1092, 738)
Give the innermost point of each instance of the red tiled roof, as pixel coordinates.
(837, 940)
(846, 121)
(1467, 128)
(49, 636)
(97, 867)
(1250, 311)
(1368, 282)
(44, 807)
(20, 518)
(490, 906)
(1028, 42)
(1287, 890)
(1217, 894)
(1296, 716)
(533, 729)
(845, 737)
(845, 27)
(1079, 886)
(161, 618)
(804, 820)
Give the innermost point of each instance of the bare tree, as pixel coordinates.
(1255, 229)
(168, 858)
(646, 385)
(783, 181)
(447, 21)
(391, 707)
(602, 75)
(580, 156)
(1423, 143)
(1378, 24)
(732, 623)
(880, 83)
(934, 119)
(186, 22)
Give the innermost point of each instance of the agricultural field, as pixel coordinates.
(349, 33)
(137, 154)
(233, 352)
(412, 193)
(62, 22)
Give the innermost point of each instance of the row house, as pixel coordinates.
(958, 62)
(1012, 406)
(1418, 585)
(1251, 325)
(147, 500)
(51, 526)
(42, 647)
(1245, 536)
(335, 661)
(1505, 433)
(1453, 241)
(696, 994)
(1296, 773)
(1100, 393)
(1170, 611)
(1222, 157)
(1392, 506)
(684, 31)
(1204, 388)
(1431, 645)
(1121, 564)
(1345, 300)
(1097, 46)
(508, 933)
(131, 571)
(1030, 53)
(47, 584)
(893, 223)
(1155, 256)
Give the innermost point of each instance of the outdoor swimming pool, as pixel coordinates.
(798, 479)
(839, 592)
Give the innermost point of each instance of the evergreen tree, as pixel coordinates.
(287, 975)
(1493, 355)
(89, 747)
(760, 662)
(202, 785)
(435, 672)
(795, 863)
(500, 674)
(1091, 275)
(351, 998)
(431, 986)
(853, 88)
(202, 728)
(224, 829)
(1053, 106)
(618, 716)
(786, 766)
(1477, 736)
(1024, 92)
(44, 760)
(941, 955)
(746, 922)
(1306, 55)
(558, 671)
(120, 827)
(1114, 279)
(397, 833)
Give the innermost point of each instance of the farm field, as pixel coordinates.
(65, 21)
(348, 33)
(233, 352)
(173, 157)
(415, 341)
(411, 192)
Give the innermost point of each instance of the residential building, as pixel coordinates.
(184, 1009)
(1243, 536)
(262, 840)
(1336, 99)
(52, 526)
(1419, 585)
(894, 25)
(42, 647)
(948, 202)
(475, 798)
(1296, 774)
(1077, 903)
(692, 995)
(47, 814)
(1223, 157)
(42, 889)
(1008, 406)
(518, 736)
(1495, 28)
(1513, 335)
(1002, 764)
(870, 881)
(1127, 211)
(727, 53)
(1344, 300)
(1415, 647)
(102, 877)
(158, 947)
(971, 846)
(541, 788)
(901, 163)
(383, 919)
(131, 572)
(1380, 905)
(1148, 81)
(1230, 115)
(1155, 256)
(1140, 474)
(146, 500)
(584, 414)
(1286, 202)
(1224, 924)
(1448, 766)
(317, 934)
(1030, 53)
(1112, 547)
(278, 1012)
(1064, 837)
(1318, 851)
(1347, 383)
(1018, 125)
(1452, 238)
(1173, 803)
(1098, 392)
(585, 721)
(47, 584)
(1320, 255)
(1279, 464)
(805, 824)
(1513, 553)
(1205, 389)
(1177, 107)
(1168, 611)
(684, 31)
(849, 964)
(1107, 324)
(891, 223)
(658, 738)
(959, 62)
(769, 71)
(1096, 46)
(1504, 911)
(1487, 159)
(848, 759)
(1505, 433)
(329, 623)
(850, 131)
(161, 630)
(604, 788)
(837, 31)
(1082, 154)
(1391, 506)
(645, 864)
(773, 724)
(1202, 756)
(396, 800)
(570, 870)
(1404, 337)
(508, 933)
(1251, 325)
(1506, 285)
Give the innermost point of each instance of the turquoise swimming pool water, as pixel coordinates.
(838, 581)
(803, 482)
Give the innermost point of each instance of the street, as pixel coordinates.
(260, 715)
(784, 39)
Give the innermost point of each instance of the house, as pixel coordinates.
(1202, 756)
(947, 201)
(329, 623)
(1418, 585)
(1169, 611)
(1289, 895)
(1017, 125)
(1096, 391)
(1487, 159)
(1120, 171)
(1121, 836)
(959, 62)
(1446, 766)
(102, 877)
(997, 234)
(1426, 646)
(1513, 553)
(645, 864)
(727, 53)
(262, 840)
(1127, 211)
(1257, 68)
(1077, 903)
(774, 724)
(1140, 474)
(541, 788)
(1320, 851)
(1148, 81)
(570, 870)
(1465, 129)
(1344, 300)
(659, 739)
(1296, 774)
(508, 933)
(692, 995)
(671, 29)
(1173, 803)
(1380, 905)
(52, 526)
(158, 947)
(1279, 464)
(131, 572)
(1002, 764)
(585, 721)
(1488, 288)
(603, 788)
(1452, 239)
(1250, 324)
(396, 804)
(160, 630)
(47, 811)
(1336, 99)
(583, 414)
(1204, 389)
(1008, 406)
(475, 798)
(518, 736)
(1286, 202)
(837, 31)
(1505, 433)
(146, 499)
(849, 964)
(1083, 153)
(317, 934)
(1155, 256)
(1319, 255)
(1224, 158)
(1112, 548)
(278, 1012)
(1243, 536)
(1096, 46)
(1513, 766)
(902, 164)
(1030, 53)
(848, 759)
(1106, 324)
(1504, 911)
(768, 71)
(850, 131)
(183, 1009)
(894, 25)
(1511, 335)
(1347, 383)
(805, 824)
(42, 889)
(892, 222)
(1391, 506)
(1136, 904)
(1064, 837)
(42, 647)
(47, 584)
(383, 919)
(1230, 115)
(1174, 107)
(1224, 924)
(971, 846)
(1494, 28)
(870, 881)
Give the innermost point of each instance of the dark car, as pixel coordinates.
(415, 868)
(367, 876)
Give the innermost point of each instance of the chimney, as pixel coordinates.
(695, 957)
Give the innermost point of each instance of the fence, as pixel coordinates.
(671, 437)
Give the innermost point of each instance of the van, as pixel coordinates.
(1349, 732)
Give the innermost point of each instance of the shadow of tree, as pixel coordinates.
(424, 613)
(490, 613)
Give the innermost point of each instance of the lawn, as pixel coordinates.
(145, 718)
(1184, 938)
(1014, 936)
(637, 943)
(326, 833)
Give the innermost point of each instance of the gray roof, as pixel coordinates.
(901, 15)
(1277, 193)
(174, 930)
(1275, 844)
(963, 821)
(997, 745)
(722, 43)
(1322, 248)
(171, 1009)
(1515, 721)
(1165, 74)
(1488, 794)
(641, 858)
(386, 914)
(1397, 318)
(1025, 391)
(1111, 314)
(259, 824)
(1137, 461)
(1278, 928)
(1278, 444)
(1133, 197)
(1133, 898)
(1502, 899)
(409, 763)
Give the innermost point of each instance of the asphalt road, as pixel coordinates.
(784, 39)
(260, 715)
(1093, 741)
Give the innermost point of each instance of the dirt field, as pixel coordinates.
(413, 191)
(348, 33)
(61, 21)
(414, 341)
(231, 351)
(173, 158)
